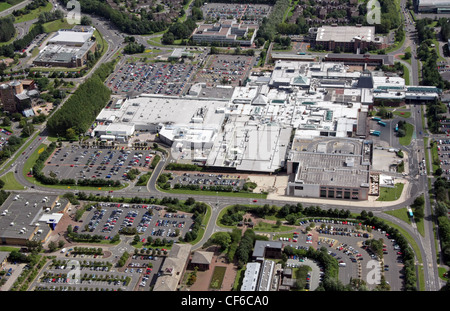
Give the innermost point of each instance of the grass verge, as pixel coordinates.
(391, 194)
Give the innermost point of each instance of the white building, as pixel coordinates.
(250, 281)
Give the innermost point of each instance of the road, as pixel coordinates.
(14, 8)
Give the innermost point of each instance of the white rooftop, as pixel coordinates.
(69, 36)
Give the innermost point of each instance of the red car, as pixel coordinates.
(255, 201)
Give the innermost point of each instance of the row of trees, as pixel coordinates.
(268, 28)
(80, 110)
(427, 54)
(8, 50)
(441, 210)
(12, 146)
(46, 17)
(179, 31)
(435, 112)
(134, 48)
(7, 30)
(291, 212)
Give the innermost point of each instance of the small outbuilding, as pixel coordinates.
(202, 260)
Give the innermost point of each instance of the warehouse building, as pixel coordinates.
(26, 218)
(250, 281)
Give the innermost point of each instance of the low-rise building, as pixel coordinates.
(173, 268)
(25, 217)
(225, 32)
(202, 260)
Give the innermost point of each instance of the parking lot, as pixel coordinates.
(150, 221)
(152, 78)
(70, 272)
(80, 163)
(4, 135)
(225, 69)
(346, 243)
(208, 179)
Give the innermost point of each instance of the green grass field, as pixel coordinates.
(5, 5)
(406, 140)
(217, 277)
(11, 183)
(34, 14)
(56, 25)
(391, 194)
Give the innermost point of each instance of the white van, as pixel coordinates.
(342, 264)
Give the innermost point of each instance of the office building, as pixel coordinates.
(225, 32)
(346, 38)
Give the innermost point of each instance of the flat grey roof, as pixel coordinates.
(434, 2)
(16, 214)
(331, 162)
(260, 246)
(345, 33)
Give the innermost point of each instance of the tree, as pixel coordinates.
(221, 238)
(136, 239)
(6, 121)
(52, 246)
(168, 38)
(61, 244)
(190, 201)
(85, 20)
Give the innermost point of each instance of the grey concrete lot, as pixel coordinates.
(80, 163)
